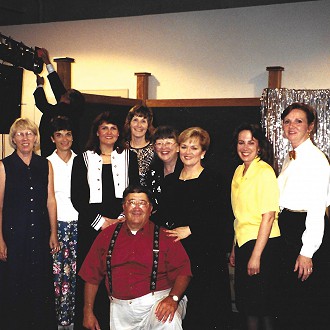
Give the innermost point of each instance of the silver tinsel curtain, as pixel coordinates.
(274, 101)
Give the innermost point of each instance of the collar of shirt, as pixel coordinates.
(54, 157)
(145, 230)
(304, 147)
(251, 169)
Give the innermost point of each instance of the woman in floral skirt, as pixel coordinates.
(64, 266)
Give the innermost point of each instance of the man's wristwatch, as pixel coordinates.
(174, 297)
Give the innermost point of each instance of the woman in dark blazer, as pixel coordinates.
(192, 207)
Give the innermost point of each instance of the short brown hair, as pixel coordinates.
(308, 109)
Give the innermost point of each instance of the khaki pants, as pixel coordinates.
(139, 313)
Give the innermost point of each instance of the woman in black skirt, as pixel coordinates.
(254, 197)
(304, 182)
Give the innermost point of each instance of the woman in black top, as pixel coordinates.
(166, 161)
(192, 206)
(138, 129)
(28, 234)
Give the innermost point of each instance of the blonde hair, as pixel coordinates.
(23, 124)
(197, 133)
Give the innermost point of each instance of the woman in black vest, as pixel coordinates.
(28, 234)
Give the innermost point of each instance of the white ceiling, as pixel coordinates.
(15, 12)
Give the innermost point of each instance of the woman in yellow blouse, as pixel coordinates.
(255, 198)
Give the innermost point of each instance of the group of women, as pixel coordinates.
(279, 224)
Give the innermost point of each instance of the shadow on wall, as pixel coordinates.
(259, 82)
(153, 84)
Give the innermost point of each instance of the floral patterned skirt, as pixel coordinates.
(64, 269)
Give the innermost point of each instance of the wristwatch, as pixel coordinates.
(174, 297)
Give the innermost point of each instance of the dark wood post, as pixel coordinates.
(64, 70)
(142, 85)
(274, 76)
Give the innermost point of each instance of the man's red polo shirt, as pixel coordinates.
(132, 261)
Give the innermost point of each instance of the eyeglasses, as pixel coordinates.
(167, 144)
(27, 134)
(134, 202)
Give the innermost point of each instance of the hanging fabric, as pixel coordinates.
(273, 103)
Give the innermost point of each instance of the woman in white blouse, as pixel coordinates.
(303, 183)
(64, 266)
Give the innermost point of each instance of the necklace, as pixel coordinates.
(105, 154)
(138, 145)
(194, 175)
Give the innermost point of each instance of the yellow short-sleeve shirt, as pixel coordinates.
(252, 195)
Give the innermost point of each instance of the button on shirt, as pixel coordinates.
(304, 184)
(132, 261)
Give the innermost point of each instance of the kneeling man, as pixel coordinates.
(147, 272)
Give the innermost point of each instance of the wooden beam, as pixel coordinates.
(103, 99)
(174, 103)
(225, 102)
(142, 85)
(64, 70)
(275, 76)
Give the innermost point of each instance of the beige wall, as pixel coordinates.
(206, 54)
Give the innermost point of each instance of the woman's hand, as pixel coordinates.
(109, 222)
(54, 244)
(304, 266)
(253, 266)
(232, 257)
(179, 233)
(3, 250)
